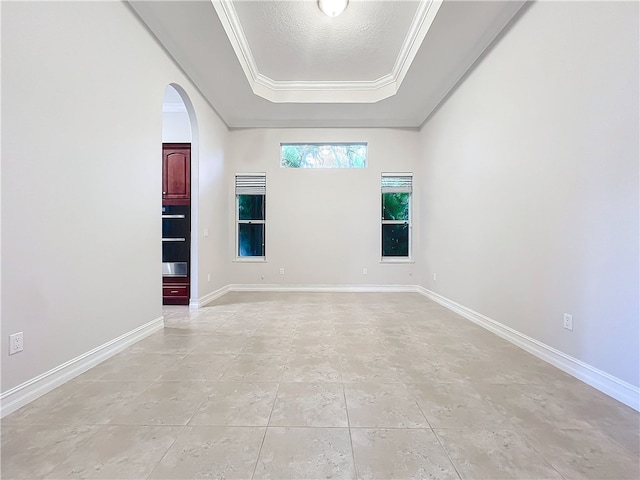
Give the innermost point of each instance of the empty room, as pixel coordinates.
(300, 239)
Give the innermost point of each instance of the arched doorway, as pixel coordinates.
(180, 198)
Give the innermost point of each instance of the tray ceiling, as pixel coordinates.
(273, 63)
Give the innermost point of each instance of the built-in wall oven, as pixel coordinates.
(176, 240)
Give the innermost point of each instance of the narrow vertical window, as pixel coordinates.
(396, 215)
(251, 190)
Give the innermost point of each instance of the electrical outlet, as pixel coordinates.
(282, 271)
(434, 277)
(208, 277)
(365, 271)
(206, 232)
(568, 321)
(16, 343)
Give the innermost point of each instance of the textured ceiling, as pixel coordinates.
(361, 44)
(285, 64)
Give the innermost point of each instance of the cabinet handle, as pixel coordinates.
(164, 193)
(174, 291)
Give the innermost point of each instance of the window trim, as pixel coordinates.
(248, 187)
(402, 185)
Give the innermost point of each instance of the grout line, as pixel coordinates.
(346, 407)
(266, 429)
(541, 455)
(446, 453)
(184, 427)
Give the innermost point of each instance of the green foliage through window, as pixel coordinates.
(396, 214)
(395, 206)
(250, 207)
(251, 224)
(323, 155)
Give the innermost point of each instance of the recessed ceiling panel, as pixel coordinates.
(295, 41)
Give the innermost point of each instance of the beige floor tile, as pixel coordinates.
(382, 405)
(309, 405)
(627, 435)
(267, 345)
(359, 345)
(211, 452)
(255, 368)
(237, 404)
(198, 367)
(369, 368)
(238, 326)
(400, 454)
(313, 346)
(215, 316)
(433, 367)
(220, 344)
(95, 404)
(164, 403)
(588, 454)
(501, 369)
(136, 366)
(305, 453)
(40, 408)
(202, 325)
(406, 345)
(533, 406)
(451, 405)
(284, 330)
(312, 368)
(34, 450)
(361, 328)
(598, 409)
(162, 342)
(118, 452)
(314, 330)
(7, 430)
(494, 454)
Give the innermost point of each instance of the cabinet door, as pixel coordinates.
(176, 172)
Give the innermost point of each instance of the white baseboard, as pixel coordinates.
(606, 383)
(209, 297)
(323, 288)
(19, 396)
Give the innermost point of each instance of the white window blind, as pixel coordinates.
(251, 184)
(397, 183)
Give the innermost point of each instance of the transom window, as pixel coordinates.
(396, 215)
(251, 192)
(323, 155)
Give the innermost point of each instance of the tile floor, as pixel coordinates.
(322, 386)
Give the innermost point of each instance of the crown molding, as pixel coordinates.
(364, 91)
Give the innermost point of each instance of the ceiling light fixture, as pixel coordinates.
(332, 8)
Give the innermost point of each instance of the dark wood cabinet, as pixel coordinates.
(175, 291)
(176, 200)
(176, 173)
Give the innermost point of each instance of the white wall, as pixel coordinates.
(81, 179)
(176, 126)
(530, 184)
(323, 225)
